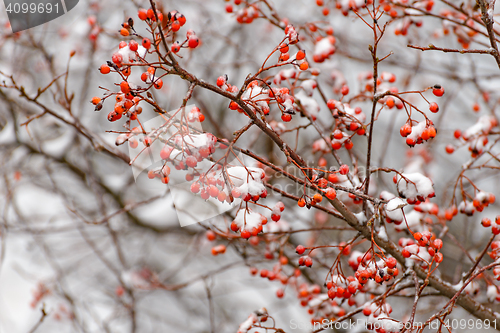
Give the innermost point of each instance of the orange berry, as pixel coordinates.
(317, 197)
(119, 108)
(158, 84)
(104, 69)
(300, 55)
(128, 104)
(175, 26)
(331, 193)
(142, 14)
(303, 66)
(151, 14)
(124, 86)
(146, 43)
(96, 100)
(124, 32)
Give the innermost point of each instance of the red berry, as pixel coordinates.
(175, 26)
(300, 249)
(146, 43)
(345, 90)
(124, 86)
(486, 222)
(308, 261)
(303, 66)
(438, 244)
(175, 47)
(150, 14)
(286, 117)
(405, 130)
(331, 104)
(195, 187)
(332, 293)
(124, 32)
(193, 42)
(438, 90)
(391, 262)
(300, 55)
(449, 149)
(410, 142)
(117, 58)
(246, 234)
(211, 235)
(344, 169)
(96, 100)
(104, 69)
(213, 191)
(338, 134)
(367, 311)
(181, 18)
(433, 107)
(331, 193)
(158, 84)
(191, 161)
(142, 14)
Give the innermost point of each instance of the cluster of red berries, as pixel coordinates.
(383, 271)
(324, 48)
(384, 83)
(404, 25)
(162, 173)
(480, 201)
(275, 274)
(149, 15)
(95, 29)
(211, 186)
(463, 33)
(192, 41)
(150, 78)
(352, 5)
(347, 118)
(325, 10)
(330, 193)
(195, 115)
(476, 136)
(339, 139)
(127, 101)
(495, 254)
(247, 14)
(337, 287)
(495, 228)
(218, 249)
(425, 248)
(222, 82)
(419, 133)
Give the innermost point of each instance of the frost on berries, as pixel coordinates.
(414, 187)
